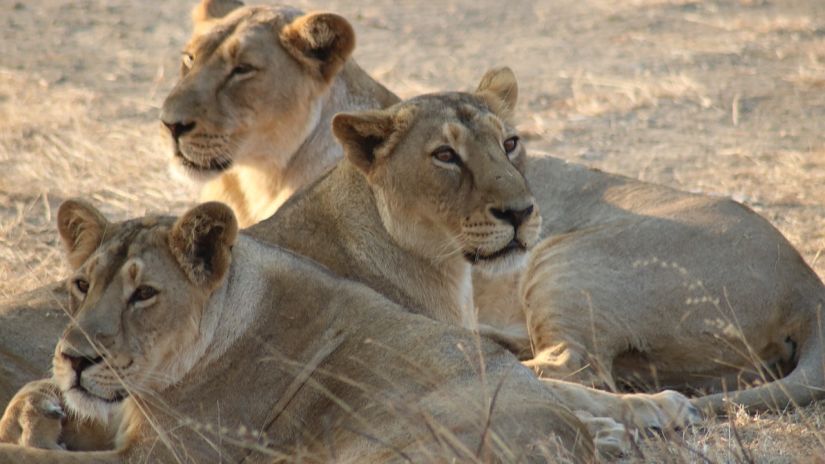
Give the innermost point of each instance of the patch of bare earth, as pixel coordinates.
(721, 97)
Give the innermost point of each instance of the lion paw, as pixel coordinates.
(662, 411)
(34, 416)
(678, 409)
(610, 438)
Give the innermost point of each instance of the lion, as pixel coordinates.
(252, 109)
(430, 189)
(197, 343)
(646, 285)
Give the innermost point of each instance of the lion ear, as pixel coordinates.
(499, 89)
(201, 241)
(363, 135)
(81, 227)
(209, 10)
(322, 42)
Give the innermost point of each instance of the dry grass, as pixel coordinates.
(55, 150)
(596, 96)
(722, 97)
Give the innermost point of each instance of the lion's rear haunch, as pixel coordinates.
(802, 386)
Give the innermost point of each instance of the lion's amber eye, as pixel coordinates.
(188, 60)
(142, 293)
(510, 145)
(81, 285)
(446, 154)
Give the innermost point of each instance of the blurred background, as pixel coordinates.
(718, 97)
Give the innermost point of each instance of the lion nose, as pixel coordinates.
(516, 217)
(177, 129)
(80, 363)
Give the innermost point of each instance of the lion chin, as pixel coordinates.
(82, 402)
(181, 168)
(511, 258)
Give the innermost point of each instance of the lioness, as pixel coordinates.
(429, 189)
(204, 346)
(659, 287)
(259, 86)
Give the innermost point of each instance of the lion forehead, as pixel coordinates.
(126, 242)
(239, 26)
(459, 116)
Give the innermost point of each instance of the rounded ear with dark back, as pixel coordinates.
(82, 228)
(201, 241)
(499, 89)
(361, 134)
(322, 42)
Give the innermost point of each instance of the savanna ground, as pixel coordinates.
(720, 97)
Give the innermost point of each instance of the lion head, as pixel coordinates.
(447, 173)
(250, 85)
(138, 293)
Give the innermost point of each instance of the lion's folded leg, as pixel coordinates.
(570, 361)
(33, 417)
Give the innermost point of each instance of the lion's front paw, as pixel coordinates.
(610, 438)
(661, 411)
(33, 417)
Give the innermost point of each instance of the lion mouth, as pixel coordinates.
(513, 247)
(118, 396)
(214, 165)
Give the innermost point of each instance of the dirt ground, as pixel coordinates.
(720, 97)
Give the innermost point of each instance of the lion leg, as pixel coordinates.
(660, 411)
(573, 337)
(33, 417)
(513, 341)
(36, 418)
(570, 361)
(20, 454)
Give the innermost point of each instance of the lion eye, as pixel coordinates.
(142, 293)
(241, 70)
(510, 145)
(447, 155)
(187, 60)
(82, 286)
